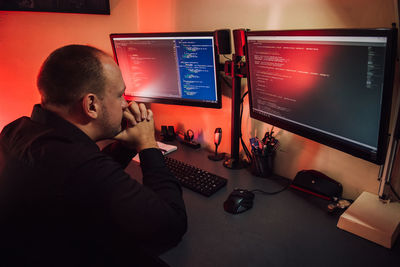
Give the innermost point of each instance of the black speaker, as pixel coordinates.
(168, 133)
(239, 41)
(223, 41)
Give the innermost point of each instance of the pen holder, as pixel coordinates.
(262, 165)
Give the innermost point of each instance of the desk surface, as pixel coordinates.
(287, 229)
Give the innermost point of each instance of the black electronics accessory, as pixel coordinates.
(223, 41)
(189, 135)
(188, 139)
(317, 184)
(195, 179)
(171, 132)
(168, 133)
(217, 140)
(239, 201)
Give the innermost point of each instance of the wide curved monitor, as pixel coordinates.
(170, 68)
(333, 86)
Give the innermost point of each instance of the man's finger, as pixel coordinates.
(134, 108)
(130, 118)
(143, 111)
(149, 114)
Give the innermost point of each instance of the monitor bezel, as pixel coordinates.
(331, 141)
(174, 101)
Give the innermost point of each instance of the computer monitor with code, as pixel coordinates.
(331, 86)
(169, 68)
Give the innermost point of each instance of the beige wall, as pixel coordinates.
(26, 38)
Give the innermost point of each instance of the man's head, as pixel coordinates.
(69, 73)
(84, 85)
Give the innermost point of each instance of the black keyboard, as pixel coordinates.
(196, 179)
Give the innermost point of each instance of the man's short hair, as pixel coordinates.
(70, 72)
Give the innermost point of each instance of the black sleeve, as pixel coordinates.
(119, 153)
(151, 216)
(160, 180)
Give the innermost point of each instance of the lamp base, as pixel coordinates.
(372, 219)
(217, 157)
(232, 163)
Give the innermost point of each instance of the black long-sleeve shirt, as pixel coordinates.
(63, 202)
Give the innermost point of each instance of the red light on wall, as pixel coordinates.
(156, 16)
(17, 94)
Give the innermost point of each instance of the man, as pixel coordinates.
(63, 202)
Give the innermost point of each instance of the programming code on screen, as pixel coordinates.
(168, 67)
(317, 81)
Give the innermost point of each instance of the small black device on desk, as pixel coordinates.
(187, 139)
(239, 201)
(168, 132)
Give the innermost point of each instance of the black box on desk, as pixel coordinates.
(318, 184)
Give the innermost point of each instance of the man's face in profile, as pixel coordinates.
(113, 103)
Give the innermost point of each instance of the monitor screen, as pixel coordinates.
(331, 86)
(169, 68)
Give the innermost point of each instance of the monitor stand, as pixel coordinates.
(371, 218)
(234, 68)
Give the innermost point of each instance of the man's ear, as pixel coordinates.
(91, 105)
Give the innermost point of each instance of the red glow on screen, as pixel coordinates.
(297, 68)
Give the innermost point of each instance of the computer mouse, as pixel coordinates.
(239, 201)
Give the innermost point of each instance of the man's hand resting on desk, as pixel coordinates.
(139, 133)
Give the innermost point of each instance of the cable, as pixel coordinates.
(246, 150)
(272, 193)
(244, 95)
(249, 156)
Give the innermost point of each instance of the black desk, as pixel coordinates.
(288, 229)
